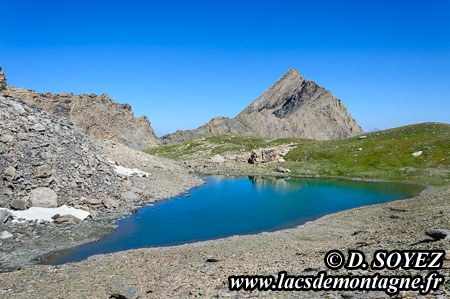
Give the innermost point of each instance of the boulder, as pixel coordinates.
(438, 234)
(362, 137)
(19, 203)
(44, 198)
(43, 171)
(265, 155)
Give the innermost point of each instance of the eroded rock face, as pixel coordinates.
(291, 107)
(97, 116)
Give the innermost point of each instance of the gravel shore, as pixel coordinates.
(187, 270)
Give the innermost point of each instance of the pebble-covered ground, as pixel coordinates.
(201, 269)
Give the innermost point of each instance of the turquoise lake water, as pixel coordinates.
(227, 206)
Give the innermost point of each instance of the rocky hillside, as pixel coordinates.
(97, 116)
(47, 163)
(291, 107)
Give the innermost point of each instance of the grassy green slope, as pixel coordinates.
(385, 154)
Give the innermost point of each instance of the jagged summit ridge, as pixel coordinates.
(291, 107)
(97, 116)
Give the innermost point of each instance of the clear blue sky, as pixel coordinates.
(183, 62)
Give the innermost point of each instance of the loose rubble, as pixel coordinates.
(47, 166)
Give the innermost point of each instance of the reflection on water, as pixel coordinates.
(228, 206)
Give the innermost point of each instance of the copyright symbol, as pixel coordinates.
(334, 259)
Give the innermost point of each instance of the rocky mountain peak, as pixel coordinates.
(291, 107)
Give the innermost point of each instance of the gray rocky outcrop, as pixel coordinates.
(291, 107)
(98, 116)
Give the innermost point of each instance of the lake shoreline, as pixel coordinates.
(288, 199)
(319, 228)
(103, 225)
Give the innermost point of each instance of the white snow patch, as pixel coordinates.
(46, 214)
(128, 171)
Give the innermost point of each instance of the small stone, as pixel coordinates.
(43, 171)
(438, 234)
(43, 197)
(10, 172)
(362, 137)
(359, 149)
(281, 160)
(38, 127)
(417, 154)
(19, 203)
